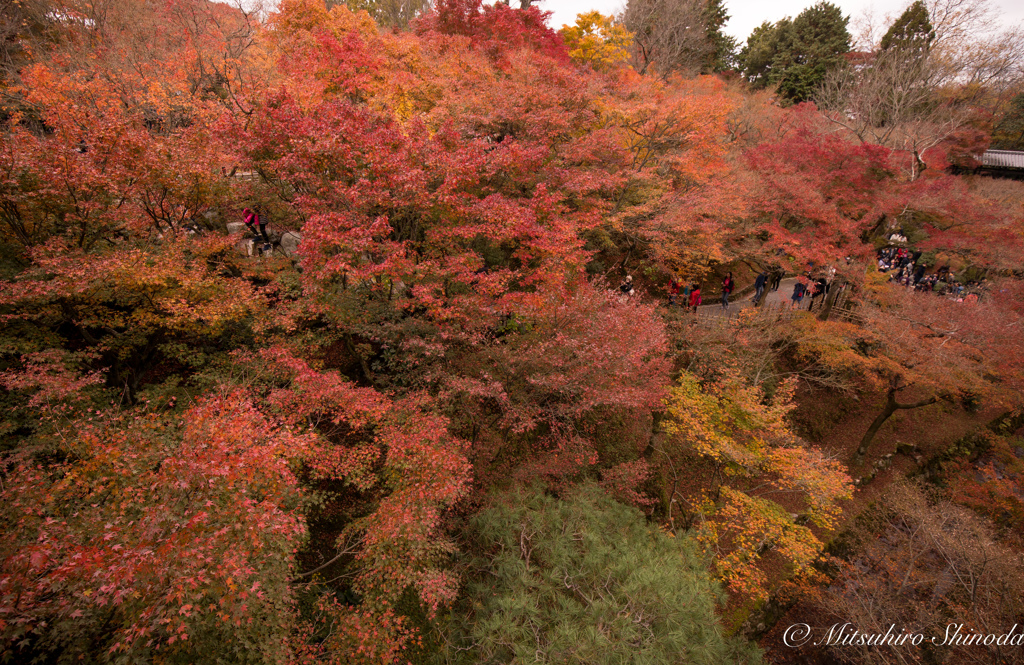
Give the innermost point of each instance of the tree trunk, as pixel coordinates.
(830, 301)
(656, 433)
(890, 408)
(363, 365)
(891, 405)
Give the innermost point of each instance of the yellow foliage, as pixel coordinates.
(743, 529)
(597, 41)
(743, 434)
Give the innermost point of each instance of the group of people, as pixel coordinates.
(690, 293)
(896, 258)
(902, 262)
(813, 287)
(907, 272)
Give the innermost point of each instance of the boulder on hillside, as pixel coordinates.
(285, 241)
(289, 243)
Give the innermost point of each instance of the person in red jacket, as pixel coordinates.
(727, 286)
(695, 297)
(673, 291)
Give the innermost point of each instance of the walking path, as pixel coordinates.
(713, 303)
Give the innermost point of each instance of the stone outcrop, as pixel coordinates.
(286, 242)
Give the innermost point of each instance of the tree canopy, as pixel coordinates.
(911, 31)
(585, 579)
(355, 333)
(794, 55)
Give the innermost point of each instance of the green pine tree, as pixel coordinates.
(722, 47)
(795, 55)
(1008, 133)
(755, 59)
(586, 581)
(912, 31)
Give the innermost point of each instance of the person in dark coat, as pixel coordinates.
(799, 289)
(759, 286)
(818, 291)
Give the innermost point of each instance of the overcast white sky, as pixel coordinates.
(748, 14)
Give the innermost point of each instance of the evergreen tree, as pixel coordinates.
(912, 31)
(795, 55)
(755, 59)
(722, 47)
(586, 580)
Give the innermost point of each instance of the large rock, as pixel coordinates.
(245, 247)
(290, 243)
(286, 241)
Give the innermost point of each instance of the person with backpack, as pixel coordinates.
(727, 286)
(799, 289)
(695, 299)
(253, 221)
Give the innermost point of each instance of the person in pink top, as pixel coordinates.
(253, 221)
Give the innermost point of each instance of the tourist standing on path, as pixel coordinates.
(695, 299)
(818, 290)
(799, 289)
(673, 291)
(727, 287)
(776, 279)
(759, 287)
(918, 274)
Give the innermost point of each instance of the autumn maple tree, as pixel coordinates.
(918, 349)
(154, 535)
(759, 486)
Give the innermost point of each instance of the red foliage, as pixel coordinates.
(497, 29)
(554, 372)
(400, 452)
(156, 531)
(820, 193)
